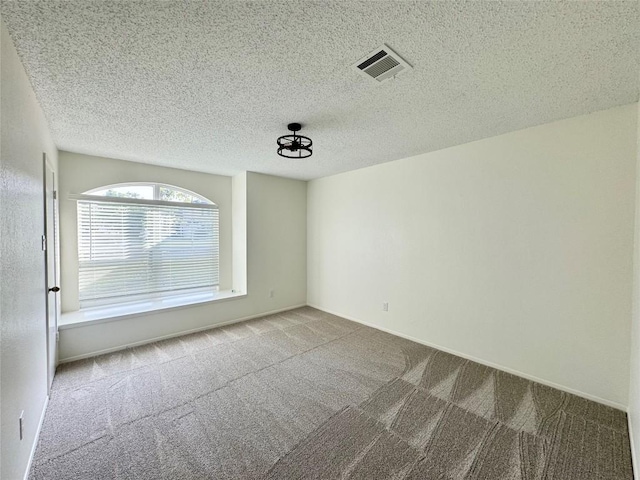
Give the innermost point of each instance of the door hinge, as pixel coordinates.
(44, 243)
(55, 194)
(57, 336)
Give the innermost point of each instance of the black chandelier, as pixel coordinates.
(294, 146)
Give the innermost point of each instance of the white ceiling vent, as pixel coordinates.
(381, 64)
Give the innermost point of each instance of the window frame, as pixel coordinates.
(149, 297)
(156, 192)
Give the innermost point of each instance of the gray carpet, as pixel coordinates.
(305, 394)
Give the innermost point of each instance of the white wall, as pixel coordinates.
(23, 371)
(239, 233)
(515, 250)
(80, 173)
(276, 260)
(634, 378)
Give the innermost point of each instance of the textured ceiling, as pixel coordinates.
(209, 86)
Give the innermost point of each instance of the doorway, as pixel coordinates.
(49, 245)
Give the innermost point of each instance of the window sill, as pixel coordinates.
(110, 313)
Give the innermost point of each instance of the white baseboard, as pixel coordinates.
(481, 361)
(173, 335)
(37, 437)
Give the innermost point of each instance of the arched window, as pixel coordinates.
(145, 239)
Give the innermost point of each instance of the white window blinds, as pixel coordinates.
(131, 247)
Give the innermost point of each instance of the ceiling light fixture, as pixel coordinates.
(294, 146)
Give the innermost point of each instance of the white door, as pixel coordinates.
(51, 275)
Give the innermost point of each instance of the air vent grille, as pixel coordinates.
(382, 64)
(373, 59)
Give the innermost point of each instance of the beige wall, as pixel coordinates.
(25, 136)
(80, 173)
(634, 378)
(276, 260)
(514, 250)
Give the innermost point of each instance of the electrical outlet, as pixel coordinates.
(385, 306)
(21, 424)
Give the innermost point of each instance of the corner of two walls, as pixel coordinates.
(634, 377)
(514, 250)
(239, 232)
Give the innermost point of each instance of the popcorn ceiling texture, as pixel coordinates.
(210, 86)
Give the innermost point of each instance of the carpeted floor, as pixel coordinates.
(305, 394)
